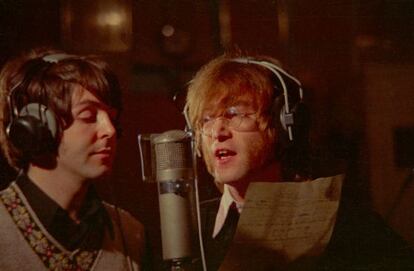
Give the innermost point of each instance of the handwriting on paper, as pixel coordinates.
(291, 219)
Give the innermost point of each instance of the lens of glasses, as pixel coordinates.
(232, 118)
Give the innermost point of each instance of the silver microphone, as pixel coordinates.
(175, 177)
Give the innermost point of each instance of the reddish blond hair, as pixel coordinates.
(223, 82)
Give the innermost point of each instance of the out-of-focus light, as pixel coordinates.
(365, 41)
(225, 23)
(167, 30)
(111, 18)
(103, 25)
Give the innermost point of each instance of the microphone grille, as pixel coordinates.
(173, 155)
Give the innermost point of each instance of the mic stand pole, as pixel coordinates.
(178, 265)
(408, 180)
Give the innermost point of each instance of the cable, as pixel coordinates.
(197, 199)
(125, 247)
(121, 229)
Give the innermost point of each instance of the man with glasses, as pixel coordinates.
(233, 108)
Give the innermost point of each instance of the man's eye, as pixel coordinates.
(87, 116)
(206, 119)
(231, 113)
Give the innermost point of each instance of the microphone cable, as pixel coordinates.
(197, 199)
(118, 221)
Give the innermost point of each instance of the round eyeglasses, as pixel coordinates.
(233, 118)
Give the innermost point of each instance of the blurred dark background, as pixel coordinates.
(354, 57)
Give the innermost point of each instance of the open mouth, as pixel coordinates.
(223, 154)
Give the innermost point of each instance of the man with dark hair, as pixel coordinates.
(59, 117)
(234, 106)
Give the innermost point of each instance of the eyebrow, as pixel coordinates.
(90, 103)
(241, 102)
(96, 104)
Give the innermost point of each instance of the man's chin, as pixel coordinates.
(101, 172)
(225, 178)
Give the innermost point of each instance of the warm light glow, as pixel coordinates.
(103, 25)
(167, 30)
(366, 41)
(225, 23)
(283, 21)
(111, 18)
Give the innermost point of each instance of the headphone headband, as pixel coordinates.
(286, 114)
(33, 128)
(286, 117)
(276, 71)
(48, 59)
(55, 58)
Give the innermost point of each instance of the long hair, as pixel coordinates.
(222, 81)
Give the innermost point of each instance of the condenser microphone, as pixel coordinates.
(175, 176)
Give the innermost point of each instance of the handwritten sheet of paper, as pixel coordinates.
(286, 221)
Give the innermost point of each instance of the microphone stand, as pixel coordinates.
(177, 265)
(408, 180)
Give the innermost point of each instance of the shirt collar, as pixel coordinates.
(93, 216)
(226, 202)
(43, 206)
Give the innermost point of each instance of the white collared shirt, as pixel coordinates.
(225, 203)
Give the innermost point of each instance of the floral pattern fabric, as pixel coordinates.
(53, 257)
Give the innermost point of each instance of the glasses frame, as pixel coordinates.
(227, 121)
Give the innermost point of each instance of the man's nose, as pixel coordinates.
(106, 126)
(220, 129)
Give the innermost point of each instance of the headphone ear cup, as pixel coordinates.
(278, 109)
(298, 119)
(34, 131)
(302, 121)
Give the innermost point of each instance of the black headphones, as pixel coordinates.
(292, 117)
(33, 130)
